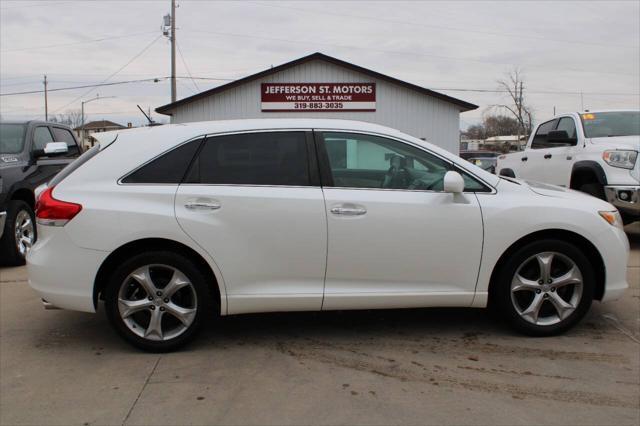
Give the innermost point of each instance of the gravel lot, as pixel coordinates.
(430, 366)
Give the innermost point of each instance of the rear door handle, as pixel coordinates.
(202, 205)
(348, 211)
(547, 156)
(524, 158)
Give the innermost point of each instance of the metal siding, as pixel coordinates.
(411, 112)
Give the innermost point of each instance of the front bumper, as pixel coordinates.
(626, 198)
(3, 218)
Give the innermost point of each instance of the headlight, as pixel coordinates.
(622, 159)
(613, 218)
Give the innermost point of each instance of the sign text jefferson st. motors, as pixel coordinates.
(299, 97)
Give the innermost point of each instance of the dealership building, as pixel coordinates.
(320, 86)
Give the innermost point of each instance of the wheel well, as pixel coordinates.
(585, 245)
(149, 244)
(26, 196)
(582, 176)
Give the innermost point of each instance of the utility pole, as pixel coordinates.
(46, 107)
(173, 51)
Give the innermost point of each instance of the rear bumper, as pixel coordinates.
(626, 198)
(3, 218)
(62, 273)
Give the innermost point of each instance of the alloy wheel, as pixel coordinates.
(157, 302)
(24, 232)
(546, 288)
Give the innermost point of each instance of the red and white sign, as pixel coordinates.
(332, 97)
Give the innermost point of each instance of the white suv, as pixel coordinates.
(171, 224)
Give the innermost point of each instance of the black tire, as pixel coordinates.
(189, 269)
(501, 298)
(9, 252)
(594, 189)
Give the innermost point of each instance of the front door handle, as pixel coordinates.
(348, 211)
(524, 158)
(202, 205)
(547, 156)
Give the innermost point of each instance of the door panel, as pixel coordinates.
(396, 240)
(248, 200)
(269, 242)
(410, 248)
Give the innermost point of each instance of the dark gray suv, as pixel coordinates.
(31, 153)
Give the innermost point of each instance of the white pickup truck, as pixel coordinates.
(595, 152)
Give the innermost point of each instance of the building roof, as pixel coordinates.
(464, 106)
(101, 124)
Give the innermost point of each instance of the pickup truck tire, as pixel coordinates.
(10, 253)
(594, 189)
(544, 288)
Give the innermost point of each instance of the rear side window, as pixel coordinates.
(168, 168)
(64, 135)
(540, 139)
(269, 158)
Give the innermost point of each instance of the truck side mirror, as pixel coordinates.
(560, 137)
(52, 149)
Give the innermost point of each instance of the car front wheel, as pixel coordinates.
(157, 300)
(545, 287)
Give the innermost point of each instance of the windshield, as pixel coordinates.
(12, 138)
(609, 124)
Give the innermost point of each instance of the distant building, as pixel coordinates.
(505, 143)
(320, 86)
(84, 132)
(471, 144)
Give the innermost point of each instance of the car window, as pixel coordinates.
(41, 137)
(168, 168)
(367, 161)
(540, 138)
(64, 135)
(263, 158)
(568, 125)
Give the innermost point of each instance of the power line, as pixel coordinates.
(104, 38)
(442, 27)
(444, 89)
(398, 52)
(136, 56)
(186, 66)
(114, 83)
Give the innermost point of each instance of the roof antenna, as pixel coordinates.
(151, 122)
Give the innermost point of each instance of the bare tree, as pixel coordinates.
(72, 118)
(513, 84)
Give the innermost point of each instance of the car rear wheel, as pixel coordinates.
(545, 288)
(19, 233)
(157, 300)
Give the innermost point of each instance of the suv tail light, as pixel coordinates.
(52, 212)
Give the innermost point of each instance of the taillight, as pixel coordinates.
(50, 211)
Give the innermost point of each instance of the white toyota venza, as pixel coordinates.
(172, 224)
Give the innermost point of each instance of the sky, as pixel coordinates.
(573, 54)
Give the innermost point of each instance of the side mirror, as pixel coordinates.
(453, 182)
(52, 149)
(560, 137)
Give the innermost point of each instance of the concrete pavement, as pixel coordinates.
(430, 366)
